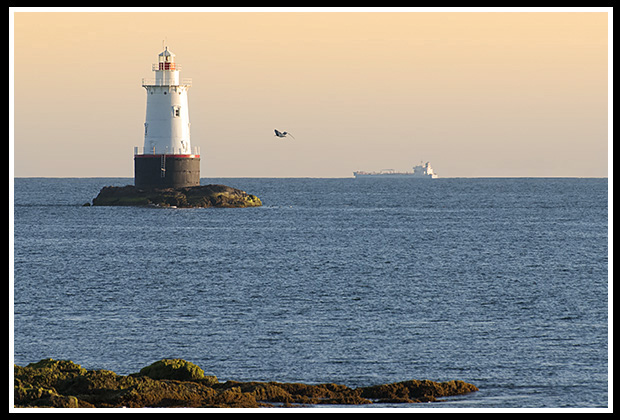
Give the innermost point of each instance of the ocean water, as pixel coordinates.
(502, 283)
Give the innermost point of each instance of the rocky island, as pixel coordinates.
(212, 195)
(178, 383)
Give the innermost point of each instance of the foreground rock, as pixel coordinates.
(200, 196)
(178, 383)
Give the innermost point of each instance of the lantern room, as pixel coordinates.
(166, 61)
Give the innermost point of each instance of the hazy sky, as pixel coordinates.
(476, 93)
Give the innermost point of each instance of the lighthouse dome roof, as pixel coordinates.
(166, 53)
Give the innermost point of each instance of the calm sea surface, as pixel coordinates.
(498, 282)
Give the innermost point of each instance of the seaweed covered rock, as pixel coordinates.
(416, 391)
(212, 195)
(178, 383)
(298, 393)
(37, 384)
(48, 373)
(177, 369)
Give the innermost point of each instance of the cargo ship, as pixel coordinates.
(421, 171)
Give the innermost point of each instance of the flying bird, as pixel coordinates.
(282, 134)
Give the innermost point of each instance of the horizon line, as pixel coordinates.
(324, 177)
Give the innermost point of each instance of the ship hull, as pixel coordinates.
(392, 175)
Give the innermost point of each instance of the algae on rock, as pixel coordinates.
(178, 383)
(177, 369)
(199, 196)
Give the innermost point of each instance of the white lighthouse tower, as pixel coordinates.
(167, 158)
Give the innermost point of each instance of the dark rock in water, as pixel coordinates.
(199, 196)
(178, 383)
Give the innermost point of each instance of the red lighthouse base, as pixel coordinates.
(166, 171)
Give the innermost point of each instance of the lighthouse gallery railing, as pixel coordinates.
(165, 82)
(140, 150)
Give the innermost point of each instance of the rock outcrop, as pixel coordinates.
(199, 196)
(178, 383)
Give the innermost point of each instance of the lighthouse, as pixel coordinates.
(167, 158)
